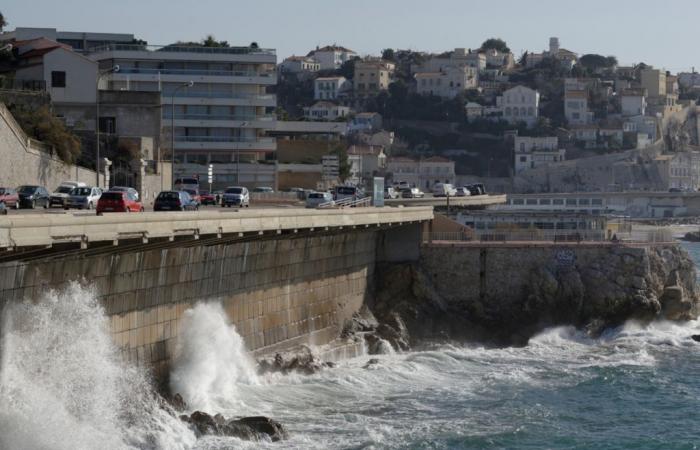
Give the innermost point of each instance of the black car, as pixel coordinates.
(175, 201)
(32, 196)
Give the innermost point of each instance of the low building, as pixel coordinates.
(421, 173)
(366, 162)
(499, 60)
(365, 121)
(680, 170)
(300, 65)
(447, 83)
(331, 57)
(633, 102)
(533, 152)
(326, 111)
(520, 104)
(330, 88)
(585, 135)
(371, 76)
(523, 224)
(473, 111)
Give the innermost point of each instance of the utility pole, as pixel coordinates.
(112, 69)
(188, 84)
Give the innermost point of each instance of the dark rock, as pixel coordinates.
(692, 236)
(301, 361)
(248, 428)
(178, 403)
(371, 363)
(203, 423)
(695, 337)
(262, 426)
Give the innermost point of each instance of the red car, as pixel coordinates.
(118, 201)
(208, 198)
(9, 197)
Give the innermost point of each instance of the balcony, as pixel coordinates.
(198, 76)
(193, 72)
(190, 97)
(180, 52)
(232, 117)
(225, 143)
(265, 121)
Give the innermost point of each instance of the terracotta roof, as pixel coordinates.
(324, 104)
(576, 94)
(37, 47)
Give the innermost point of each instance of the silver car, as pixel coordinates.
(316, 199)
(235, 196)
(83, 198)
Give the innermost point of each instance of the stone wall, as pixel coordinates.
(279, 293)
(24, 161)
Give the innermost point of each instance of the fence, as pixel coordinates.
(650, 236)
(349, 202)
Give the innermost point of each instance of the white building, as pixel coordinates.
(520, 104)
(423, 173)
(366, 161)
(533, 152)
(576, 107)
(365, 121)
(633, 102)
(331, 57)
(448, 83)
(330, 88)
(300, 64)
(79, 41)
(326, 111)
(222, 119)
(499, 60)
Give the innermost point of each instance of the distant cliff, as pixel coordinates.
(504, 295)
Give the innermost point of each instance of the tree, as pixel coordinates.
(523, 59)
(347, 69)
(495, 44)
(210, 41)
(42, 125)
(3, 22)
(594, 62)
(343, 164)
(388, 54)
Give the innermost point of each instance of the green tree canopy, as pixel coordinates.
(388, 54)
(593, 61)
(496, 44)
(42, 125)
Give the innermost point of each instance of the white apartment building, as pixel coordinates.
(331, 57)
(633, 102)
(79, 41)
(533, 152)
(330, 88)
(326, 111)
(448, 83)
(300, 64)
(423, 173)
(221, 119)
(520, 104)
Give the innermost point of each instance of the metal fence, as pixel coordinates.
(572, 236)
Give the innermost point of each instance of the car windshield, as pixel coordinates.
(235, 190)
(27, 189)
(112, 196)
(317, 195)
(64, 189)
(80, 191)
(168, 196)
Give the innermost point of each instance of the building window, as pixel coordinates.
(523, 159)
(58, 79)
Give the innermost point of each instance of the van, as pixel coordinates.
(186, 183)
(444, 190)
(343, 192)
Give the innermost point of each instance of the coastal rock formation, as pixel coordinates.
(301, 360)
(506, 295)
(248, 428)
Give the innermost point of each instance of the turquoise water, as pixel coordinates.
(636, 387)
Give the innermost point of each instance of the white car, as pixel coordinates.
(83, 198)
(315, 199)
(390, 193)
(444, 190)
(60, 195)
(463, 192)
(235, 196)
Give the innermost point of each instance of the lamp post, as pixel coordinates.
(100, 74)
(238, 160)
(172, 128)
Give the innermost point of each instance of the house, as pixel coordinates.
(680, 170)
(646, 125)
(533, 152)
(299, 65)
(324, 110)
(460, 57)
(421, 173)
(330, 88)
(520, 104)
(331, 57)
(381, 138)
(366, 161)
(499, 60)
(586, 135)
(448, 83)
(654, 81)
(633, 102)
(611, 134)
(473, 111)
(366, 121)
(372, 76)
(576, 107)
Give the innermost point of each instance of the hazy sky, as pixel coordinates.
(662, 33)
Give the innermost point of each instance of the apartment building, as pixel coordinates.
(79, 41)
(372, 76)
(221, 119)
(633, 102)
(330, 88)
(520, 104)
(331, 57)
(326, 111)
(448, 83)
(533, 152)
(300, 65)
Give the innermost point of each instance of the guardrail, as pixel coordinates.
(348, 202)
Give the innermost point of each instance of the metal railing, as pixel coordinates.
(261, 118)
(12, 84)
(348, 202)
(571, 236)
(209, 94)
(183, 49)
(225, 73)
(261, 140)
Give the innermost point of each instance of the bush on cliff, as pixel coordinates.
(42, 125)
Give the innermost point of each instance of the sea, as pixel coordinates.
(63, 386)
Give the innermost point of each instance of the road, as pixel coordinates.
(79, 212)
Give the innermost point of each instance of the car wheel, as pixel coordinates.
(142, 209)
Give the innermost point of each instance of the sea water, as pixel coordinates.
(62, 386)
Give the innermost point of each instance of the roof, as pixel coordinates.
(324, 104)
(329, 78)
(365, 150)
(299, 58)
(440, 159)
(473, 105)
(38, 47)
(576, 94)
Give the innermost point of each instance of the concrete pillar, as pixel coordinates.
(139, 166)
(106, 163)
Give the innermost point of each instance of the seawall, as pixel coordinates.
(504, 293)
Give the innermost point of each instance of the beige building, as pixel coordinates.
(533, 152)
(654, 81)
(448, 83)
(372, 76)
(520, 104)
(300, 64)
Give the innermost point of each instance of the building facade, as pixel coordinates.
(299, 65)
(421, 173)
(372, 76)
(326, 111)
(533, 152)
(221, 119)
(633, 102)
(520, 104)
(447, 83)
(330, 88)
(331, 57)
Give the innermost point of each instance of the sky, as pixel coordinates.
(663, 34)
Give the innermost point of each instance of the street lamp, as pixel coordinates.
(188, 84)
(238, 159)
(100, 74)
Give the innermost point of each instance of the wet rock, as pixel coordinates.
(202, 423)
(675, 304)
(261, 426)
(178, 403)
(695, 337)
(372, 362)
(248, 428)
(302, 361)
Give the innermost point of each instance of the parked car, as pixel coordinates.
(208, 198)
(390, 193)
(186, 183)
(401, 185)
(195, 196)
(59, 197)
(444, 190)
(315, 199)
(118, 201)
(462, 192)
(9, 197)
(265, 189)
(236, 196)
(343, 192)
(83, 198)
(131, 190)
(412, 193)
(31, 196)
(175, 201)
